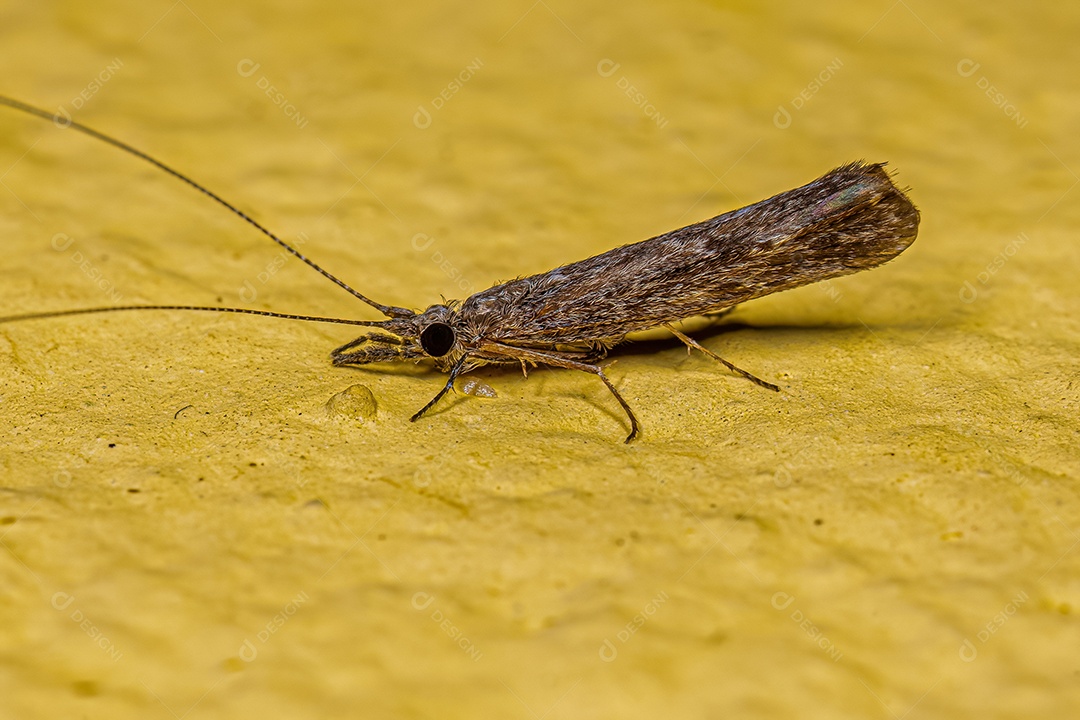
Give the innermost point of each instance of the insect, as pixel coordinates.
(850, 219)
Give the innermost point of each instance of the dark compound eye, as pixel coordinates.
(437, 339)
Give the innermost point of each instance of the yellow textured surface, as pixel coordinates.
(199, 518)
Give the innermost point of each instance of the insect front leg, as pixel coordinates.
(369, 337)
(456, 370)
(375, 348)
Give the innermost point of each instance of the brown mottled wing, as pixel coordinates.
(851, 219)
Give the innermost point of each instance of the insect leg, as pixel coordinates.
(454, 372)
(370, 337)
(558, 361)
(629, 413)
(692, 343)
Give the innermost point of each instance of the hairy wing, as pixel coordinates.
(851, 219)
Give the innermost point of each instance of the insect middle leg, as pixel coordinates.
(555, 360)
(692, 343)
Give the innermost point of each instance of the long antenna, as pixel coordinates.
(66, 121)
(200, 308)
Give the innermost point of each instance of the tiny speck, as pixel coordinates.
(819, 521)
(112, 444)
(133, 490)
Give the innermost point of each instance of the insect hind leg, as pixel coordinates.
(691, 343)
